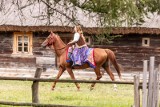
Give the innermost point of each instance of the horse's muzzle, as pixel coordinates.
(43, 46)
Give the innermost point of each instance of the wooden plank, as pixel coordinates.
(65, 80)
(144, 88)
(158, 81)
(156, 88)
(33, 104)
(151, 78)
(154, 98)
(35, 86)
(136, 91)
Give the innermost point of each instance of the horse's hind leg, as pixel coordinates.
(73, 77)
(99, 76)
(108, 70)
(61, 70)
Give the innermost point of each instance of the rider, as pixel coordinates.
(79, 52)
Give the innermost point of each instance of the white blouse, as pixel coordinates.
(76, 37)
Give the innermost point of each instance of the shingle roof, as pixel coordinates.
(88, 30)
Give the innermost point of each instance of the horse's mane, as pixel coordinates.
(58, 37)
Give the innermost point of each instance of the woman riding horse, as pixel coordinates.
(78, 49)
(101, 57)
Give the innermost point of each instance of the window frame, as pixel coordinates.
(15, 43)
(145, 39)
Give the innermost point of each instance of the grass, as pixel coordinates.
(66, 94)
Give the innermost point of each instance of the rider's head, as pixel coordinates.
(78, 29)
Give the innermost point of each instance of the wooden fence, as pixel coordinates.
(153, 87)
(150, 86)
(35, 88)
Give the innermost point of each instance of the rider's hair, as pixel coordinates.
(79, 30)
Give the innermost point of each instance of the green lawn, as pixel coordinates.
(66, 94)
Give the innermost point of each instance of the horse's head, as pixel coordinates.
(49, 41)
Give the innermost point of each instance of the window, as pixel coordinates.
(88, 40)
(22, 43)
(145, 41)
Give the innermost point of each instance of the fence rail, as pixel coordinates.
(66, 80)
(34, 104)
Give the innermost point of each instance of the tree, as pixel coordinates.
(103, 12)
(120, 12)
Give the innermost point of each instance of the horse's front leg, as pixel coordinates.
(61, 70)
(73, 77)
(99, 76)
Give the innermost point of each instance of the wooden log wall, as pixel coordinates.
(6, 42)
(7, 60)
(38, 39)
(128, 49)
(130, 53)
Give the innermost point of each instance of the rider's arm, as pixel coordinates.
(76, 38)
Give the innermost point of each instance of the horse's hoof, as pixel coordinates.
(91, 88)
(52, 89)
(115, 90)
(78, 89)
(115, 87)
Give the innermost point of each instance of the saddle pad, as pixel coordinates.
(79, 56)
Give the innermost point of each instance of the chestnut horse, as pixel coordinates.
(101, 57)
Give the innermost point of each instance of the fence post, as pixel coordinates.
(35, 87)
(158, 76)
(156, 88)
(144, 87)
(136, 91)
(151, 78)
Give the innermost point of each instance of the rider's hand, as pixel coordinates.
(69, 45)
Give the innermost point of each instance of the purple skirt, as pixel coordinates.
(80, 56)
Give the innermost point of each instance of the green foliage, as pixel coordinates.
(104, 39)
(117, 12)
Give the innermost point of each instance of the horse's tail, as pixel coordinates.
(112, 58)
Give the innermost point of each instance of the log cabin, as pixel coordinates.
(20, 45)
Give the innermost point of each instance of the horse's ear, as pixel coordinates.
(52, 33)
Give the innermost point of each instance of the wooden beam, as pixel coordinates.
(144, 88)
(65, 80)
(158, 81)
(136, 91)
(33, 104)
(35, 86)
(151, 81)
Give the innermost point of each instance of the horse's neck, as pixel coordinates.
(59, 45)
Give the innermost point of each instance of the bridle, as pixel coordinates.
(54, 41)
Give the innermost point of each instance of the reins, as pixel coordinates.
(61, 48)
